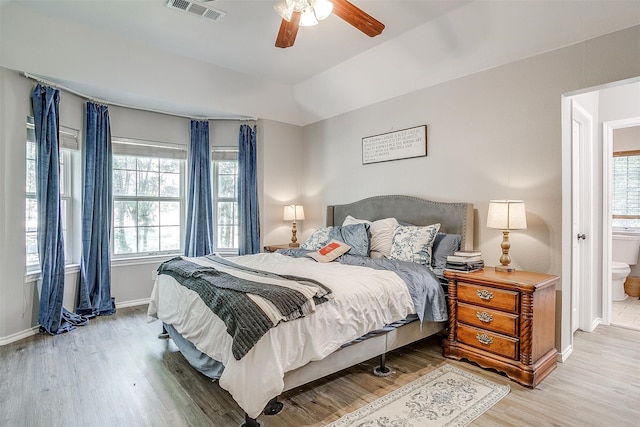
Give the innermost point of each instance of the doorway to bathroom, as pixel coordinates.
(588, 168)
(621, 144)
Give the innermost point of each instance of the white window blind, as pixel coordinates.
(224, 153)
(626, 185)
(68, 137)
(135, 147)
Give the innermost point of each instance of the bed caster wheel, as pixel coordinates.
(382, 371)
(273, 407)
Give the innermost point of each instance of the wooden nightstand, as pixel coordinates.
(504, 321)
(273, 248)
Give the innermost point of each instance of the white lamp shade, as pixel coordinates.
(308, 17)
(323, 9)
(293, 213)
(507, 215)
(285, 9)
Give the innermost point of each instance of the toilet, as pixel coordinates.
(625, 253)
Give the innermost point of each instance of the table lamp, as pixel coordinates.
(293, 213)
(506, 215)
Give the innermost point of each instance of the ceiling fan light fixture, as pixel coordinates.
(284, 8)
(308, 17)
(322, 8)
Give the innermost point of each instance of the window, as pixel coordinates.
(225, 198)
(626, 189)
(148, 198)
(68, 144)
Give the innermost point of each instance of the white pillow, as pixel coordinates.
(414, 243)
(381, 234)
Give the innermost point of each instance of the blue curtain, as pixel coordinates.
(53, 318)
(248, 192)
(94, 292)
(199, 233)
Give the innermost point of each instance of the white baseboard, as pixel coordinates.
(562, 357)
(36, 329)
(19, 335)
(132, 303)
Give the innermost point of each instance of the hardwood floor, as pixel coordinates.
(115, 372)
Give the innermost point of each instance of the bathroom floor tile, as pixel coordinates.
(626, 313)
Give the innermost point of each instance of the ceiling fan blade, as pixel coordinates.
(357, 17)
(288, 31)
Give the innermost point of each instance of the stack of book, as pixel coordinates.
(465, 261)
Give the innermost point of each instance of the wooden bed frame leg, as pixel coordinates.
(164, 335)
(251, 422)
(382, 370)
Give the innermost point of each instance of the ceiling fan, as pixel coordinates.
(297, 13)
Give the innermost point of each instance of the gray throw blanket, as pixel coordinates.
(227, 296)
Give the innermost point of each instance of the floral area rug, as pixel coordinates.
(447, 396)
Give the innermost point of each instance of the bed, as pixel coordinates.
(356, 307)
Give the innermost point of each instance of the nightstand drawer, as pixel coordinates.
(486, 296)
(488, 341)
(497, 321)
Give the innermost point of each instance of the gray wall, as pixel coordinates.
(494, 134)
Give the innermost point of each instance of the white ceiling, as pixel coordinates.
(232, 68)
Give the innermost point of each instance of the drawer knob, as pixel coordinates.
(484, 339)
(484, 317)
(485, 295)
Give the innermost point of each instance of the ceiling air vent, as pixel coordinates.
(197, 8)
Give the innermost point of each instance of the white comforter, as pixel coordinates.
(364, 300)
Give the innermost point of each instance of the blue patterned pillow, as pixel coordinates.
(317, 240)
(413, 243)
(355, 235)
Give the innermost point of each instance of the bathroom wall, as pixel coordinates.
(628, 139)
(618, 103)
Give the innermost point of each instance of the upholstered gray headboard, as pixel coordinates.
(454, 218)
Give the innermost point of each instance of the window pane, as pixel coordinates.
(148, 213)
(228, 168)
(225, 197)
(146, 221)
(31, 208)
(32, 249)
(124, 214)
(227, 236)
(124, 182)
(31, 176)
(170, 185)
(226, 186)
(148, 183)
(169, 213)
(170, 165)
(124, 240)
(227, 212)
(148, 239)
(169, 238)
(31, 215)
(31, 150)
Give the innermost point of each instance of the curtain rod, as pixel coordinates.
(115, 104)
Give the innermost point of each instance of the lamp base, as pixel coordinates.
(294, 245)
(505, 269)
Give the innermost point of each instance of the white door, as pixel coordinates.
(581, 206)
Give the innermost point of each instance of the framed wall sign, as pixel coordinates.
(401, 144)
